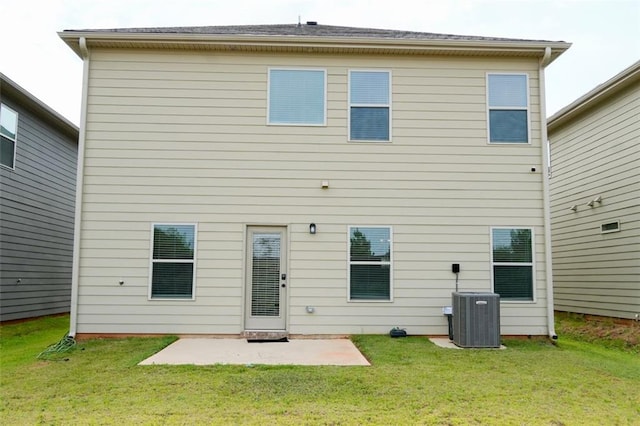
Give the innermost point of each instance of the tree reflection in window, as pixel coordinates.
(512, 245)
(173, 242)
(370, 263)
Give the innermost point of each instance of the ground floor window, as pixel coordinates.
(512, 263)
(173, 261)
(370, 263)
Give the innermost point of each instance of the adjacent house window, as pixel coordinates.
(369, 106)
(173, 261)
(508, 105)
(606, 228)
(297, 97)
(512, 263)
(8, 132)
(370, 263)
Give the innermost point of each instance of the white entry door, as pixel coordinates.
(266, 285)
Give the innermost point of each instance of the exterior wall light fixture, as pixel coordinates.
(598, 200)
(312, 228)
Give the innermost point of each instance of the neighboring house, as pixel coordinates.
(309, 179)
(37, 192)
(595, 199)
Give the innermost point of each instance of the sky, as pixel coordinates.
(605, 33)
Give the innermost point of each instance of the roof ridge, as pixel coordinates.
(309, 29)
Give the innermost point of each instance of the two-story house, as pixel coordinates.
(308, 179)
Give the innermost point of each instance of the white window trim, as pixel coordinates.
(349, 263)
(152, 261)
(532, 263)
(370, 105)
(15, 140)
(489, 108)
(269, 123)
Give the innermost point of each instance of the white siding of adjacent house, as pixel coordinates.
(182, 137)
(598, 154)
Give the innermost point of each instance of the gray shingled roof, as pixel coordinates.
(302, 30)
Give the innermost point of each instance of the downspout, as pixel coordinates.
(75, 272)
(546, 59)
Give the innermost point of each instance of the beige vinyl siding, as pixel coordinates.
(598, 154)
(182, 137)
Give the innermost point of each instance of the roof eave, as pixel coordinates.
(36, 105)
(312, 44)
(592, 98)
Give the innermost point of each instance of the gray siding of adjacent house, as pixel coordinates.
(597, 154)
(37, 216)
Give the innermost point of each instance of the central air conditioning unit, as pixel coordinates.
(476, 320)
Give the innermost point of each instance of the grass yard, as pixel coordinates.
(411, 381)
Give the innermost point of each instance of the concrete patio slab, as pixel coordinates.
(207, 351)
(444, 342)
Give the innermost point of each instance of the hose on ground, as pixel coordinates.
(52, 352)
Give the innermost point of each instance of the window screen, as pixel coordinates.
(297, 97)
(512, 258)
(508, 108)
(370, 263)
(370, 105)
(172, 275)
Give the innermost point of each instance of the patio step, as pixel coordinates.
(265, 335)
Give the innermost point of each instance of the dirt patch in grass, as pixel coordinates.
(608, 331)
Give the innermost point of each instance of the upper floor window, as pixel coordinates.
(369, 105)
(8, 132)
(297, 97)
(508, 105)
(173, 261)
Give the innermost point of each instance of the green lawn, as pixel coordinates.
(411, 381)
